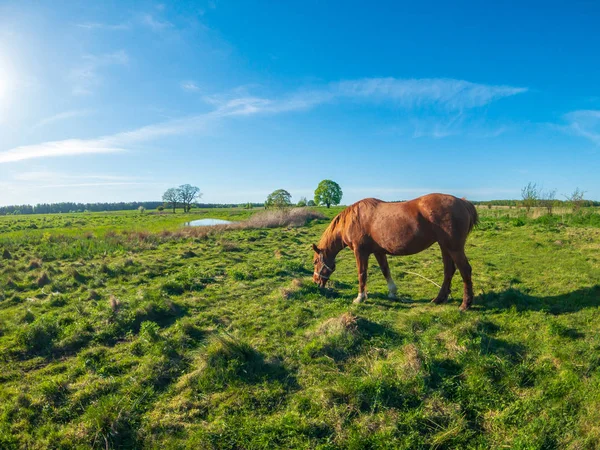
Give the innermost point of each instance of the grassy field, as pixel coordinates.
(121, 331)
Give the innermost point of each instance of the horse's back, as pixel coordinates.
(410, 227)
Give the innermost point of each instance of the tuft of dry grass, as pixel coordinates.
(229, 246)
(43, 280)
(114, 303)
(346, 323)
(295, 217)
(34, 264)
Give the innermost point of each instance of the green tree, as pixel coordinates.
(187, 195)
(328, 193)
(311, 203)
(279, 199)
(302, 202)
(171, 197)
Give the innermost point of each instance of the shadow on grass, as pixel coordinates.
(229, 360)
(574, 301)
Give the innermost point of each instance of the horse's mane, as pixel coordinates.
(344, 219)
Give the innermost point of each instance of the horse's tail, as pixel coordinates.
(473, 215)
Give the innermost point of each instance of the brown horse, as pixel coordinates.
(389, 228)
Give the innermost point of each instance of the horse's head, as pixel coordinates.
(324, 266)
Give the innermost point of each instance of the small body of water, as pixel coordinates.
(206, 222)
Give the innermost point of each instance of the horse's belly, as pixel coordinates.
(409, 248)
(406, 242)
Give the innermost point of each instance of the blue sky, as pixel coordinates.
(117, 101)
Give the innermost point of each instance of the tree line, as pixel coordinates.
(72, 207)
(533, 195)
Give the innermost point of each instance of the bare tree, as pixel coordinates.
(171, 197)
(575, 199)
(187, 195)
(530, 195)
(548, 200)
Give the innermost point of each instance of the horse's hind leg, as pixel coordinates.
(449, 269)
(464, 267)
(385, 270)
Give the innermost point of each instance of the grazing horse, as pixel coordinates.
(400, 228)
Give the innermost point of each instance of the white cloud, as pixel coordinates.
(155, 24)
(48, 176)
(86, 76)
(67, 147)
(448, 94)
(439, 93)
(114, 143)
(585, 123)
(411, 93)
(189, 86)
(63, 116)
(102, 26)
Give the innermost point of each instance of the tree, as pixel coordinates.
(530, 195)
(171, 197)
(548, 200)
(302, 202)
(576, 199)
(279, 199)
(328, 193)
(187, 195)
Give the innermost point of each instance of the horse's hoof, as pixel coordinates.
(360, 298)
(464, 308)
(439, 301)
(393, 296)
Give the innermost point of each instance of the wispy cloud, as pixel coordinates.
(189, 86)
(114, 143)
(48, 176)
(50, 179)
(103, 26)
(155, 24)
(68, 147)
(410, 93)
(86, 76)
(585, 123)
(446, 94)
(63, 116)
(440, 94)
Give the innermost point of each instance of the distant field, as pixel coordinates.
(119, 331)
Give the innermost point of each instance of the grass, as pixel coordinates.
(121, 330)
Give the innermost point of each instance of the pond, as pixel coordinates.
(206, 222)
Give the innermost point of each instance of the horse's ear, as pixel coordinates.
(316, 249)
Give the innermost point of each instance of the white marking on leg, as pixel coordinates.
(392, 288)
(361, 296)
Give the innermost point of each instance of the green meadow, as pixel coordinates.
(123, 330)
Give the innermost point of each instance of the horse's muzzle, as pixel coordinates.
(319, 280)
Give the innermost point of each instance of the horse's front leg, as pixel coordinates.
(385, 270)
(362, 265)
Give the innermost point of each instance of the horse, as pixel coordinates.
(372, 226)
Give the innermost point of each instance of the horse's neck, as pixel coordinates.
(335, 243)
